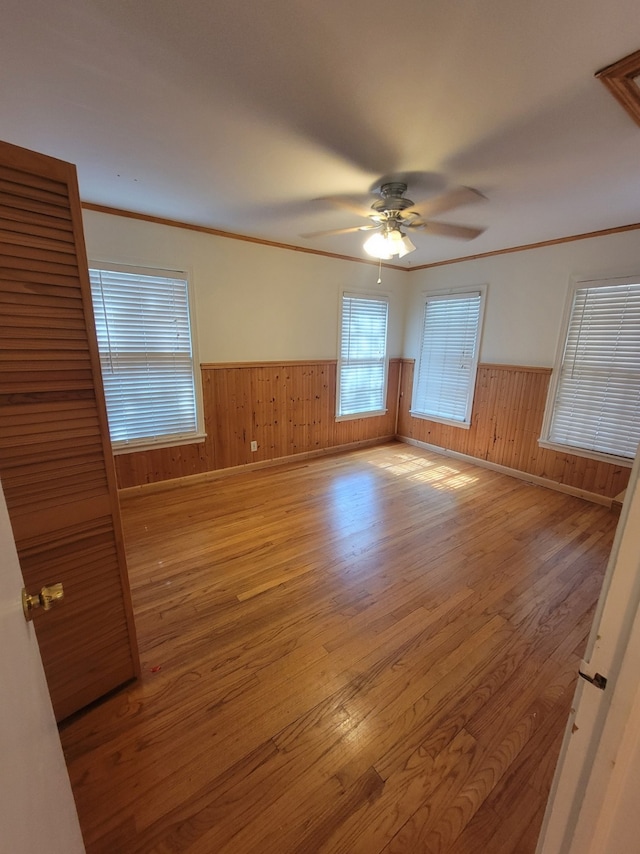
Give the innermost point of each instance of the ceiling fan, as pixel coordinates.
(392, 213)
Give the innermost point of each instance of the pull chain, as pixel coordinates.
(379, 282)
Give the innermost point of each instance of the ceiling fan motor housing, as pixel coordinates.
(392, 198)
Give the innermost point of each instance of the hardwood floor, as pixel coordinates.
(374, 652)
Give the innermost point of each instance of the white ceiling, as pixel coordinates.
(239, 115)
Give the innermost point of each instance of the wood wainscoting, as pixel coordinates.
(506, 423)
(288, 408)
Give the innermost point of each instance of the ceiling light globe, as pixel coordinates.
(377, 246)
(406, 246)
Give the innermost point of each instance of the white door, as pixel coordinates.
(37, 811)
(599, 765)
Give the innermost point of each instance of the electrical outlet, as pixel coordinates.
(254, 446)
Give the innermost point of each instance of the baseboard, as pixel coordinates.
(618, 501)
(216, 474)
(521, 475)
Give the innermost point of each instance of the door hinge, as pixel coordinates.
(598, 680)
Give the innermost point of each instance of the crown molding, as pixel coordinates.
(216, 232)
(203, 229)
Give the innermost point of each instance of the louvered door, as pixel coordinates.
(55, 459)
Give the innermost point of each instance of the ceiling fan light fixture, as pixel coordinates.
(386, 244)
(406, 246)
(377, 246)
(394, 237)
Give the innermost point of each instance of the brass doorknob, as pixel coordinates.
(45, 599)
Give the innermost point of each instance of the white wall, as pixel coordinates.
(253, 302)
(260, 303)
(526, 295)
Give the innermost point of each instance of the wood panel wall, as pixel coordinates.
(287, 408)
(506, 423)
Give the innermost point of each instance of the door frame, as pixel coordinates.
(600, 753)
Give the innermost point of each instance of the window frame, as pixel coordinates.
(168, 440)
(372, 413)
(451, 293)
(544, 441)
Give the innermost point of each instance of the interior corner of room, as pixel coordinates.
(267, 333)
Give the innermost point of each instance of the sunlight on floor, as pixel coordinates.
(354, 510)
(438, 475)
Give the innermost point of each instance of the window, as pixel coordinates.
(146, 355)
(594, 399)
(445, 379)
(362, 364)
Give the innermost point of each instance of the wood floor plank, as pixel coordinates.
(404, 793)
(499, 833)
(436, 825)
(362, 653)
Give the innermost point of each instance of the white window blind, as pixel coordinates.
(144, 338)
(448, 357)
(596, 405)
(362, 364)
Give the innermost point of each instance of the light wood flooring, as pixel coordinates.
(373, 652)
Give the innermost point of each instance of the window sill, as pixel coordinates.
(162, 442)
(584, 452)
(373, 414)
(451, 422)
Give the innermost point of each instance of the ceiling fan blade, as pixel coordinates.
(447, 202)
(349, 203)
(339, 231)
(446, 229)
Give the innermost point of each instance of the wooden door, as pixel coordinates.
(55, 456)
